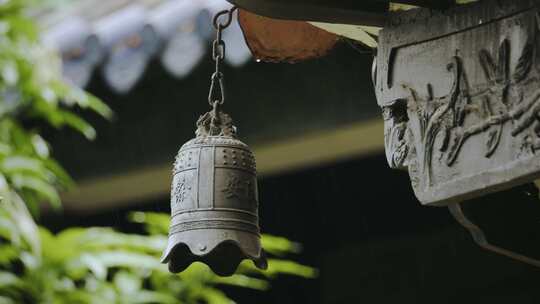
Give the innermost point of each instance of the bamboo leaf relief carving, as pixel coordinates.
(433, 121)
(524, 64)
(469, 81)
(504, 97)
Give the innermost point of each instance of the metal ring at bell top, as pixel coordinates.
(228, 21)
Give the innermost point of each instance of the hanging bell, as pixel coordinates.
(214, 200)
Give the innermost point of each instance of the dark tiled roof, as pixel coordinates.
(121, 44)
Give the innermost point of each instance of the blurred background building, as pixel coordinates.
(317, 134)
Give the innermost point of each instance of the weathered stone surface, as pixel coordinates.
(460, 95)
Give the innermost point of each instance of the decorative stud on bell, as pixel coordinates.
(214, 198)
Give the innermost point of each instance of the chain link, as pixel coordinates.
(216, 96)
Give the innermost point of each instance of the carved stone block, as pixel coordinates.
(460, 95)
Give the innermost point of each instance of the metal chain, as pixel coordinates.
(216, 96)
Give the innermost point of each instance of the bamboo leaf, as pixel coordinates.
(214, 296)
(103, 238)
(8, 279)
(488, 66)
(279, 245)
(78, 124)
(6, 300)
(18, 164)
(8, 229)
(127, 283)
(494, 137)
(5, 149)
(119, 258)
(61, 175)
(523, 67)
(146, 296)
(243, 281)
(156, 223)
(74, 95)
(8, 253)
(40, 146)
(503, 65)
(278, 267)
(39, 186)
(17, 212)
(99, 106)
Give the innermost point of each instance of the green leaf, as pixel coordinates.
(8, 229)
(72, 95)
(68, 240)
(8, 253)
(276, 267)
(279, 245)
(243, 281)
(16, 137)
(18, 163)
(40, 146)
(6, 300)
(49, 112)
(279, 267)
(8, 279)
(78, 124)
(100, 107)
(105, 238)
(145, 296)
(103, 291)
(5, 149)
(21, 26)
(214, 296)
(119, 258)
(26, 165)
(10, 74)
(61, 175)
(17, 212)
(156, 223)
(41, 187)
(127, 283)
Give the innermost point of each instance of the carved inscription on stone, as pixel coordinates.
(460, 96)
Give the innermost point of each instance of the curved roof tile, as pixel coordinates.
(121, 44)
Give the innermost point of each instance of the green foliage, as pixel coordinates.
(92, 265)
(32, 90)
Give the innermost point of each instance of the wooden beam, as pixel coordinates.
(438, 4)
(312, 150)
(365, 12)
(321, 148)
(373, 12)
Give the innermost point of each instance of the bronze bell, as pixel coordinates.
(214, 200)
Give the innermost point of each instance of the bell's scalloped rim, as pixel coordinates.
(208, 251)
(191, 255)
